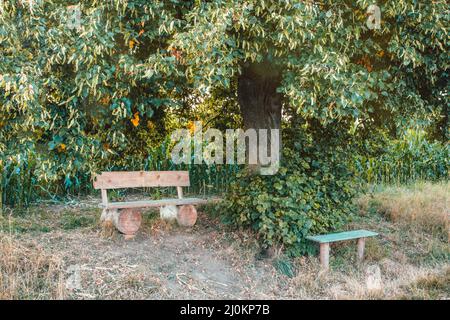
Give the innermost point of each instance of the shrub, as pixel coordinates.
(311, 193)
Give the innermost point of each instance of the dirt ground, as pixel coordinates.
(209, 261)
(163, 261)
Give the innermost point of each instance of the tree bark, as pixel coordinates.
(127, 221)
(187, 216)
(259, 102)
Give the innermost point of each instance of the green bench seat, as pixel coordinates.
(325, 240)
(342, 236)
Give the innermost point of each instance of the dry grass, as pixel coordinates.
(423, 206)
(210, 261)
(28, 272)
(429, 286)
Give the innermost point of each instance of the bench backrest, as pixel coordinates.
(136, 179)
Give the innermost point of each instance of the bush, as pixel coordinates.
(311, 193)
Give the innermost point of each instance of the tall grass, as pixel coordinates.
(423, 206)
(16, 183)
(21, 183)
(205, 179)
(406, 160)
(411, 158)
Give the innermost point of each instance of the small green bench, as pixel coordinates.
(325, 240)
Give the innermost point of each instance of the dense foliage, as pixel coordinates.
(106, 95)
(311, 193)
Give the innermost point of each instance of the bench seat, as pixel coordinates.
(153, 203)
(342, 236)
(324, 241)
(127, 217)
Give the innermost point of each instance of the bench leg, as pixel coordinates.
(324, 255)
(187, 215)
(107, 215)
(104, 215)
(361, 244)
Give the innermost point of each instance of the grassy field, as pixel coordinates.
(61, 252)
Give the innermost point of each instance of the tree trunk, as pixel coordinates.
(260, 103)
(187, 216)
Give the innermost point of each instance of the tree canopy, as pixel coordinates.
(83, 98)
(317, 57)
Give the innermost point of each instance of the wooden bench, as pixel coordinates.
(126, 216)
(325, 240)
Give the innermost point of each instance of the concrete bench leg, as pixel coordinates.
(324, 255)
(361, 244)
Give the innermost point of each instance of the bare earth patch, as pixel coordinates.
(162, 262)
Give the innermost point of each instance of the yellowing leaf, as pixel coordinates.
(135, 120)
(131, 44)
(105, 100)
(191, 127)
(62, 147)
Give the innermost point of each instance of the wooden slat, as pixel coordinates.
(154, 203)
(136, 179)
(180, 192)
(104, 197)
(341, 236)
